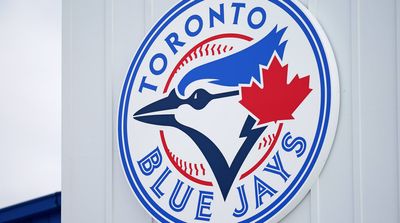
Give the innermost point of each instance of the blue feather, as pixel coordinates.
(238, 68)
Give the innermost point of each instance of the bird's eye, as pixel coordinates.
(199, 93)
(199, 99)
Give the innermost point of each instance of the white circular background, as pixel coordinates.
(222, 120)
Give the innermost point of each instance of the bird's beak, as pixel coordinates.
(151, 113)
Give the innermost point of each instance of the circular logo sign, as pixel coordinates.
(228, 111)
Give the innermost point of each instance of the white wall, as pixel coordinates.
(360, 182)
(30, 99)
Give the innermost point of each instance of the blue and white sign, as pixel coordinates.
(228, 111)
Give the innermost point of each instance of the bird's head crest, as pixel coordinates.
(236, 69)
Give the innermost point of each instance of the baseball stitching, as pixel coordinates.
(266, 141)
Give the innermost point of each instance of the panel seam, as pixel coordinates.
(397, 13)
(356, 112)
(109, 111)
(148, 15)
(66, 55)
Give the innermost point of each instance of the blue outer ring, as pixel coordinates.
(315, 149)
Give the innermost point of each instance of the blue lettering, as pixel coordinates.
(150, 162)
(220, 16)
(298, 142)
(262, 21)
(262, 189)
(205, 199)
(164, 64)
(198, 29)
(156, 186)
(277, 168)
(237, 7)
(146, 85)
(244, 204)
(172, 201)
(172, 41)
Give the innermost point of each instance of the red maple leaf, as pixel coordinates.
(275, 100)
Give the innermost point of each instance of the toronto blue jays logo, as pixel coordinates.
(228, 111)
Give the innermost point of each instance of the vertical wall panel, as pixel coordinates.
(335, 182)
(398, 103)
(360, 182)
(356, 112)
(84, 116)
(378, 105)
(127, 34)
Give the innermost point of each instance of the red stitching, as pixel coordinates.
(197, 170)
(208, 45)
(202, 168)
(212, 50)
(195, 54)
(266, 141)
(204, 52)
(188, 167)
(201, 50)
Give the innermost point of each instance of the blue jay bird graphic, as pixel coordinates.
(231, 71)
